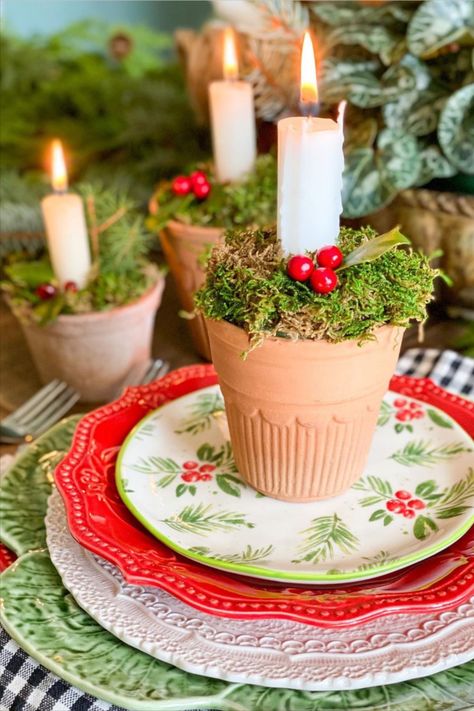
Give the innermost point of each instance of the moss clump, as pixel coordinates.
(247, 285)
(250, 202)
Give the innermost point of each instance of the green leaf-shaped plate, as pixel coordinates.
(44, 619)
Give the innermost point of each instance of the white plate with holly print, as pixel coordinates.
(176, 474)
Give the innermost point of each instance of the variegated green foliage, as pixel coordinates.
(405, 70)
(456, 128)
(438, 23)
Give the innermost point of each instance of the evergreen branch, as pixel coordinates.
(248, 555)
(455, 498)
(206, 406)
(323, 535)
(157, 465)
(201, 520)
(424, 454)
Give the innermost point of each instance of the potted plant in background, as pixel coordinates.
(191, 213)
(95, 336)
(305, 348)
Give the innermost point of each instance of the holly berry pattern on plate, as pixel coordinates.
(403, 412)
(414, 498)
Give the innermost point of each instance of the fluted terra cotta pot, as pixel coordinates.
(97, 353)
(183, 246)
(302, 414)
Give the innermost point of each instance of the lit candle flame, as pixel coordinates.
(59, 172)
(309, 96)
(340, 115)
(231, 65)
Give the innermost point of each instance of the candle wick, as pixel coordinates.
(59, 191)
(309, 108)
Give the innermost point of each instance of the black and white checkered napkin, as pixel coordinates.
(27, 686)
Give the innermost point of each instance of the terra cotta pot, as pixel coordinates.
(97, 353)
(183, 246)
(302, 413)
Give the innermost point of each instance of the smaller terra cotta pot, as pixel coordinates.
(302, 413)
(97, 353)
(183, 246)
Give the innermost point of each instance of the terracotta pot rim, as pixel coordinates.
(178, 225)
(100, 315)
(237, 332)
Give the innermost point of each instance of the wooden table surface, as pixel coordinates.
(171, 341)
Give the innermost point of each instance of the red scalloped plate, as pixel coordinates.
(7, 557)
(101, 523)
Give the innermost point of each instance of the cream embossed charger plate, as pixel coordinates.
(277, 653)
(176, 474)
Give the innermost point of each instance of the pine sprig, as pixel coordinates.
(457, 499)
(381, 490)
(248, 555)
(425, 455)
(203, 410)
(323, 536)
(201, 520)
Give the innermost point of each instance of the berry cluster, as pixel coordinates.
(407, 411)
(45, 292)
(196, 183)
(405, 504)
(322, 277)
(194, 472)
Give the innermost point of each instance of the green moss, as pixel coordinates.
(247, 285)
(251, 202)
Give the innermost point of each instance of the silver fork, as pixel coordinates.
(50, 403)
(38, 413)
(156, 369)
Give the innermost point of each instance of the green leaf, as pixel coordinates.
(228, 484)
(165, 480)
(422, 527)
(439, 419)
(374, 248)
(201, 520)
(438, 23)
(388, 519)
(206, 453)
(181, 489)
(30, 274)
(456, 129)
(426, 488)
(192, 490)
(379, 513)
(385, 414)
(398, 427)
(423, 454)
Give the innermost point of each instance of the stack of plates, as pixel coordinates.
(158, 540)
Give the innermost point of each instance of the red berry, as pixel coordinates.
(181, 185)
(205, 468)
(395, 506)
(205, 477)
(300, 268)
(198, 178)
(403, 415)
(190, 465)
(329, 256)
(46, 292)
(413, 406)
(201, 190)
(323, 280)
(419, 413)
(402, 494)
(399, 402)
(190, 476)
(416, 504)
(71, 286)
(409, 513)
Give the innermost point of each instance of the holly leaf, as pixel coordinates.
(206, 453)
(374, 248)
(180, 489)
(426, 488)
(380, 513)
(229, 484)
(439, 420)
(423, 527)
(388, 519)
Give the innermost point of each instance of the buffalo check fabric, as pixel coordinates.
(27, 686)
